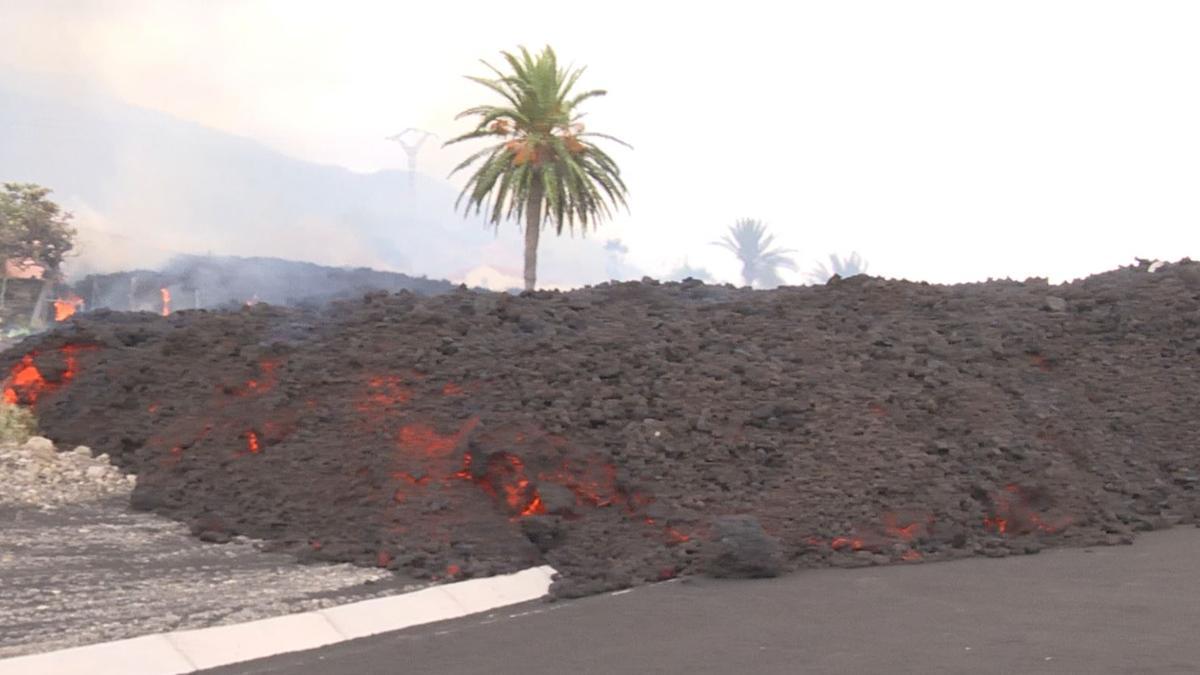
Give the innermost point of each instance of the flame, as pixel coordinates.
(166, 301)
(252, 442)
(64, 308)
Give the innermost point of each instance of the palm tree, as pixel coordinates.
(749, 241)
(851, 266)
(543, 157)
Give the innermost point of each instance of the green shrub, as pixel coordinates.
(17, 424)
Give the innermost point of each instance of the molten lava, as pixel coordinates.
(840, 543)
(424, 440)
(25, 384)
(26, 379)
(252, 442)
(1013, 512)
(166, 301)
(505, 478)
(65, 308)
(264, 382)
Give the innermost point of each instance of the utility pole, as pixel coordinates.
(412, 149)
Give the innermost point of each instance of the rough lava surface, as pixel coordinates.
(604, 431)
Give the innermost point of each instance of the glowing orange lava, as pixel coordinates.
(905, 528)
(25, 380)
(385, 391)
(505, 479)
(25, 383)
(252, 442)
(840, 543)
(1013, 514)
(166, 301)
(265, 382)
(424, 439)
(677, 536)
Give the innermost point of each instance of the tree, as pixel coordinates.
(34, 231)
(851, 266)
(749, 241)
(543, 167)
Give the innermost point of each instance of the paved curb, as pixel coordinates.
(191, 650)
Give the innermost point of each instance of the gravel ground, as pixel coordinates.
(77, 566)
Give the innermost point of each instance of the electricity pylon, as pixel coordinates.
(412, 149)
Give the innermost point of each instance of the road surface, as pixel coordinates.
(1128, 609)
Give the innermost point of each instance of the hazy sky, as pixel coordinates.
(944, 141)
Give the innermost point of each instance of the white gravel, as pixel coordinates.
(37, 474)
(77, 566)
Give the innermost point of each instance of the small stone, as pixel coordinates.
(39, 446)
(82, 451)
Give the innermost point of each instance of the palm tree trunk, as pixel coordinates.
(533, 229)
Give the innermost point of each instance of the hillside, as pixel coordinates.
(146, 186)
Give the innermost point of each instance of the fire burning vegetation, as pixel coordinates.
(603, 431)
(65, 308)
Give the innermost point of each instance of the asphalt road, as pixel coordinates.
(1128, 609)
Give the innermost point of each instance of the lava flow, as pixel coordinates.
(26, 383)
(166, 301)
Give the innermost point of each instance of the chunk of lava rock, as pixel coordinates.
(1055, 304)
(740, 548)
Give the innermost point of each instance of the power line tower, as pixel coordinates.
(412, 149)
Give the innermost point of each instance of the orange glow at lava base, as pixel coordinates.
(65, 308)
(25, 383)
(1014, 515)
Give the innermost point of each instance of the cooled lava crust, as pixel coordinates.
(603, 430)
